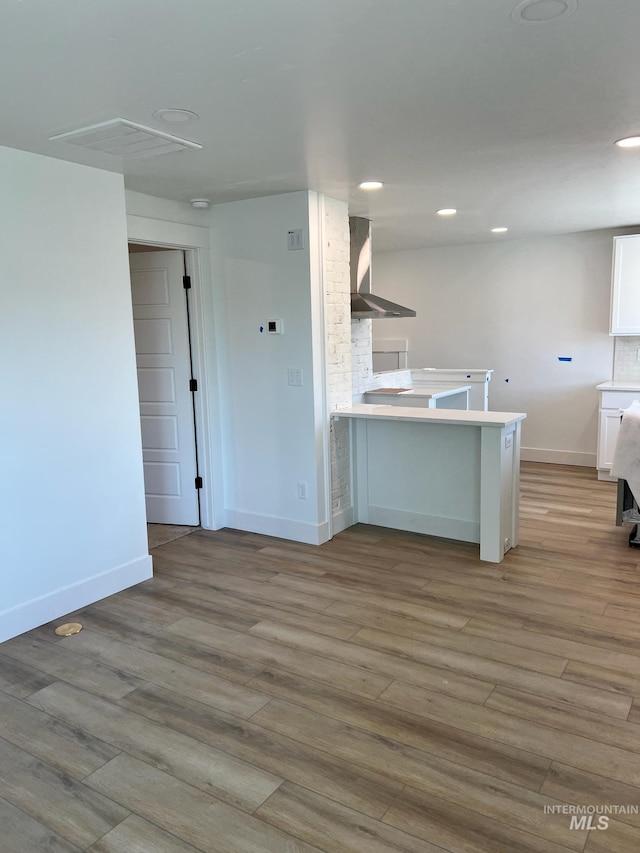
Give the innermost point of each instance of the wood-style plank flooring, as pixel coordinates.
(160, 534)
(384, 692)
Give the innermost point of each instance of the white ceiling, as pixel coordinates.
(452, 103)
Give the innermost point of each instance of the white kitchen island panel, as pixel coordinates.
(439, 472)
(420, 488)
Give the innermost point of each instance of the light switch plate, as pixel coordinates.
(295, 376)
(295, 240)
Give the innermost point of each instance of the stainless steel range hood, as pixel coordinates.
(363, 303)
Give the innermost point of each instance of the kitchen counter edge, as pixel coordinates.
(618, 385)
(441, 416)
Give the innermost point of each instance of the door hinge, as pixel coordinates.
(198, 482)
(193, 385)
(186, 282)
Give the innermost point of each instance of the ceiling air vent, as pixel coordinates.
(126, 139)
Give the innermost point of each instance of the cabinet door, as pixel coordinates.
(607, 435)
(625, 286)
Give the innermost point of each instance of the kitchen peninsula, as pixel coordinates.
(432, 396)
(441, 472)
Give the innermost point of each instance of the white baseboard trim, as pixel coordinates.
(342, 519)
(41, 610)
(558, 457)
(282, 528)
(432, 525)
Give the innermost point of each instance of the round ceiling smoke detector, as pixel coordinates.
(541, 11)
(175, 116)
(200, 203)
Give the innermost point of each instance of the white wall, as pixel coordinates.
(514, 306)
(264, 436)
(73, 516)
(272, 432)
(165, 209)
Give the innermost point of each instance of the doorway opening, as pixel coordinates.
(167, 388)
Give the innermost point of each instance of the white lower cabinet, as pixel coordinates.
(613, 399)
(607, 435)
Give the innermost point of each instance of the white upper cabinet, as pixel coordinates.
(625, 286)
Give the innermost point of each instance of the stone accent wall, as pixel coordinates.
(361, 356)
(338, 331)
(349, 346)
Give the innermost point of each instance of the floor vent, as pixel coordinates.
(126, 139)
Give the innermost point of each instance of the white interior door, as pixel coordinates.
(164, 373)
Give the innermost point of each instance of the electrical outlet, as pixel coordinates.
(302, 491)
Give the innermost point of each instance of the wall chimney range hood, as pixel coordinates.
(363, 303)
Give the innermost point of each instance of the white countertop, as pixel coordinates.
(468, 371)
(618, 385)
(432, 392)
(441, 416)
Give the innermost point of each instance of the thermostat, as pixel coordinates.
(274, 327)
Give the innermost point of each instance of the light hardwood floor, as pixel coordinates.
(384, 692)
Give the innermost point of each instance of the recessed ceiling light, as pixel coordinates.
(500, 230)
(629, 142)
(446, 211)
(370, 185)
(174, 116)
(541, 11)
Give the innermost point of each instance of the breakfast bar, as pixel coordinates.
(435, 396)
(441, 472)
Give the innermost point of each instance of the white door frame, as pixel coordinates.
(194, 241)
